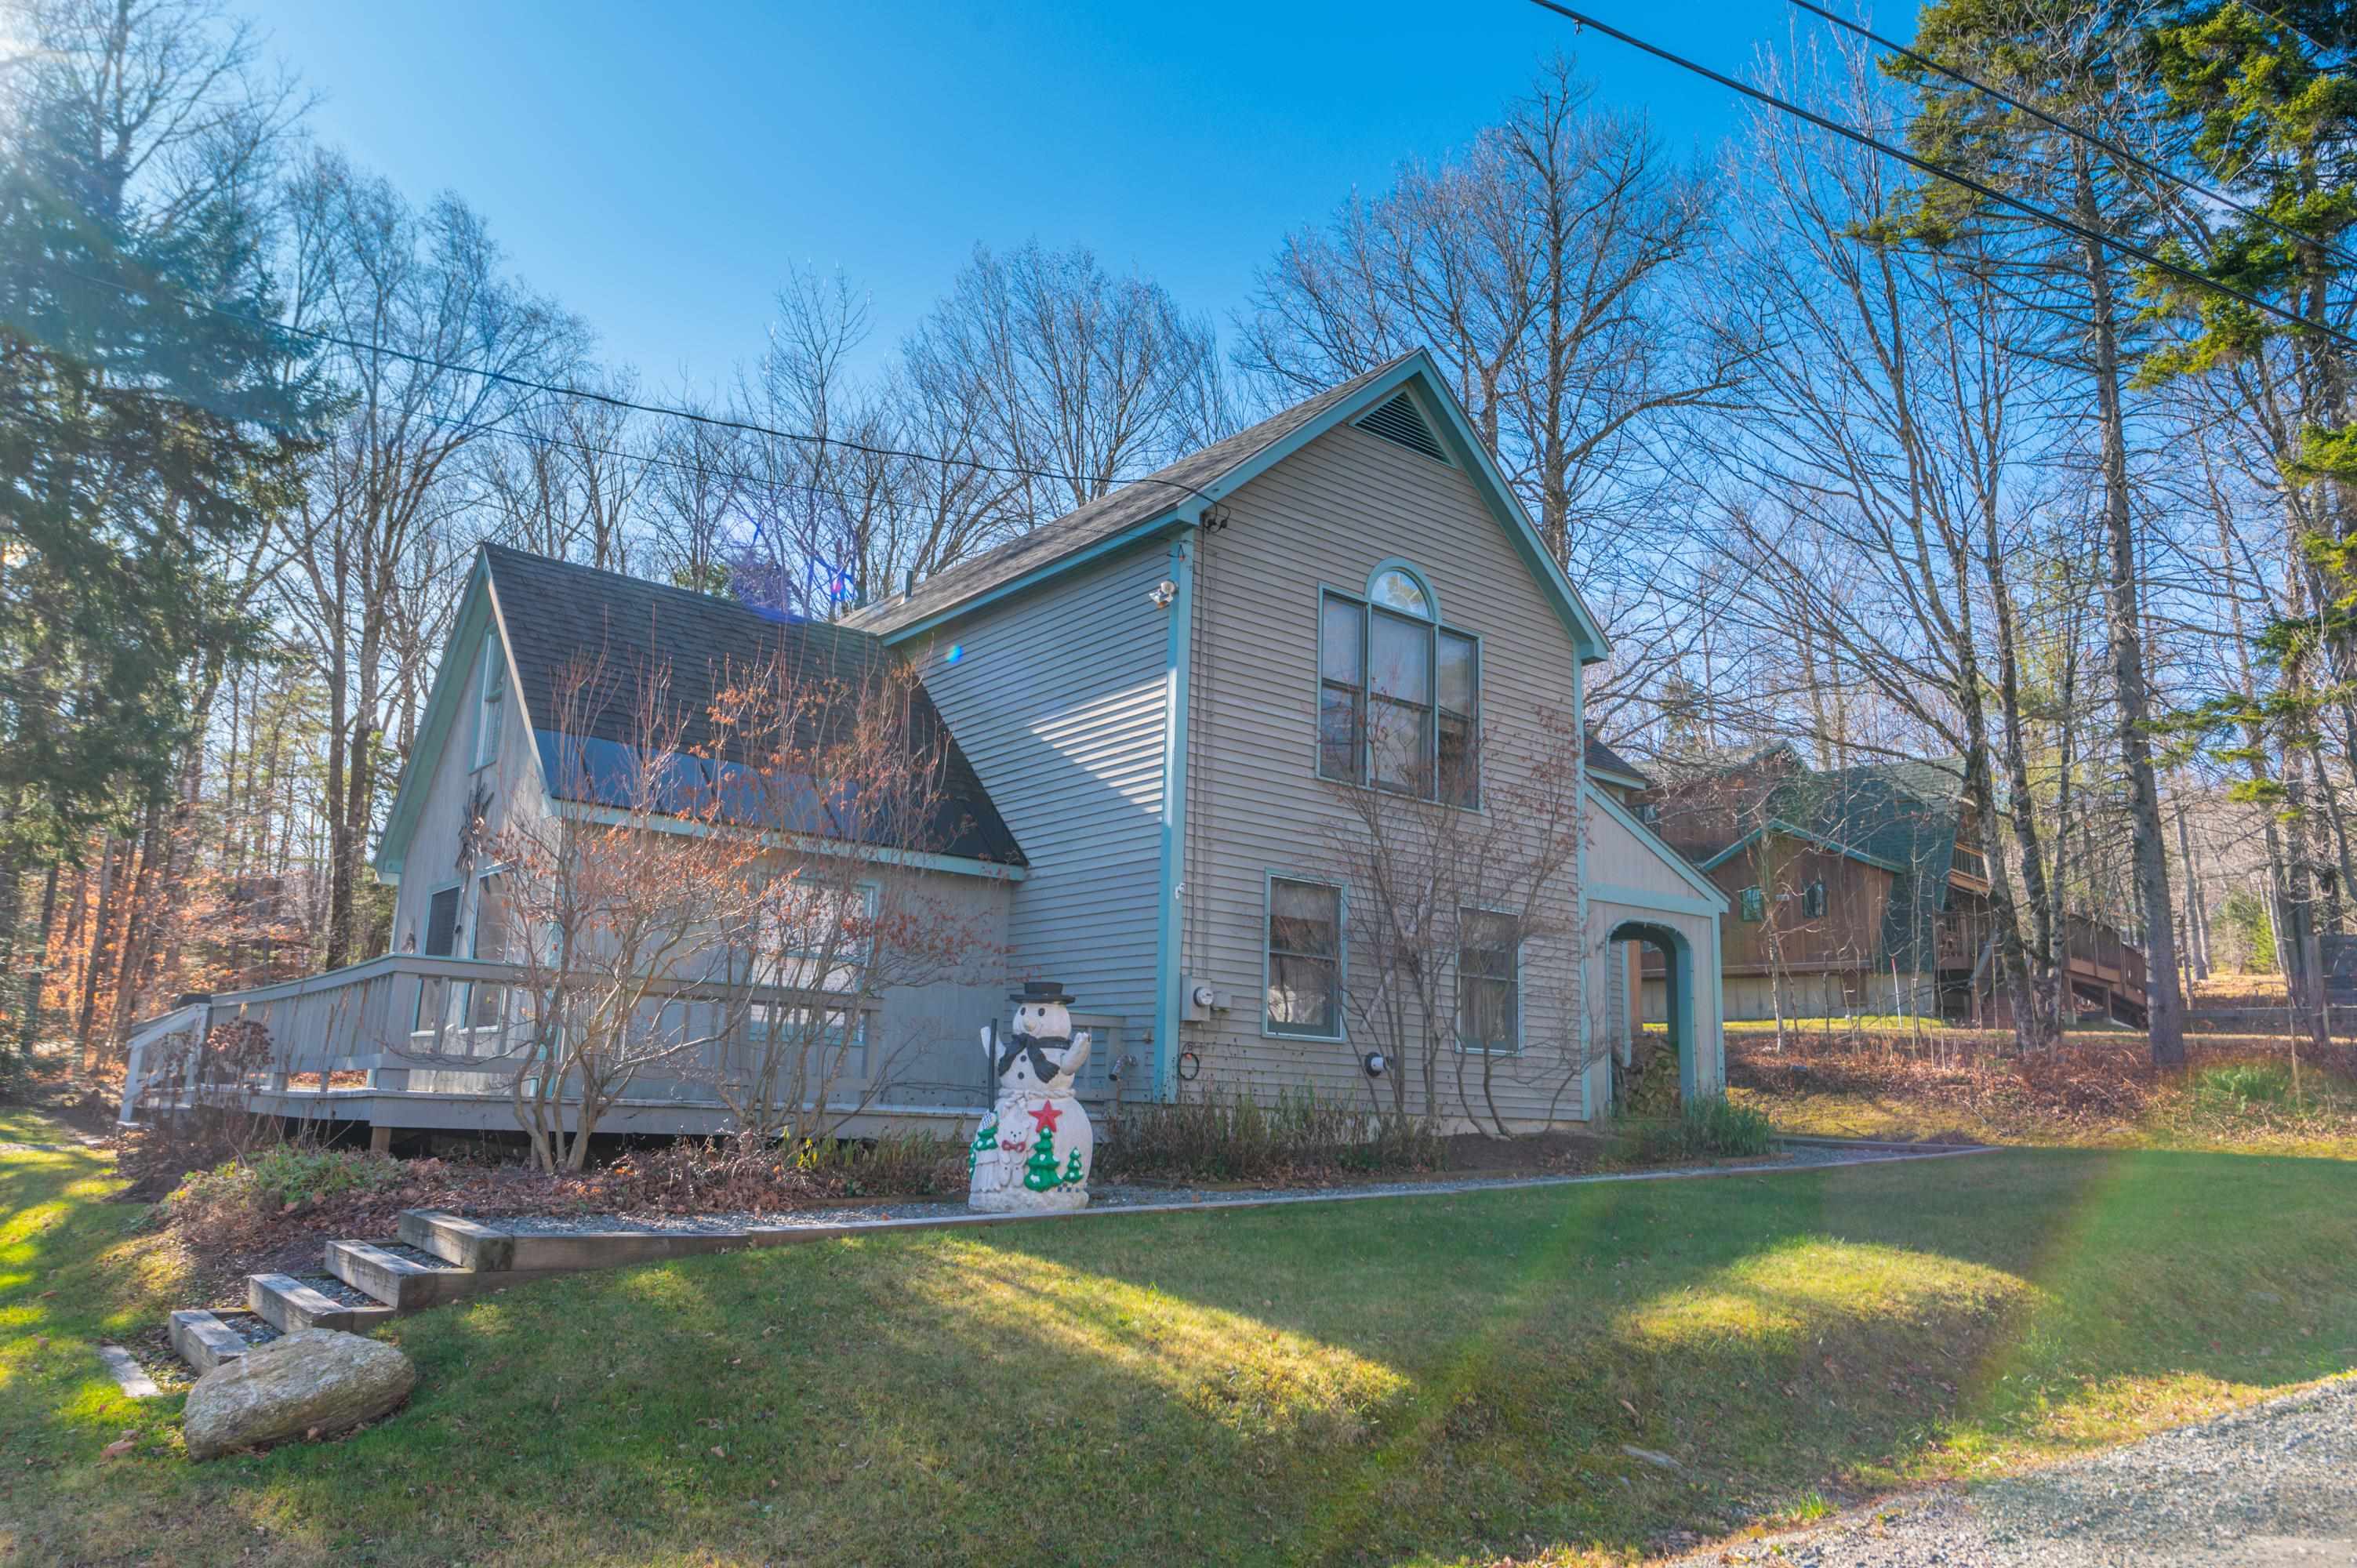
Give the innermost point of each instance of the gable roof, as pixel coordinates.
(1603, 762)
(1899, 817)
(557, 616)
(1177, 495)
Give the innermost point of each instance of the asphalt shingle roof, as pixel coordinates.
(1139, 501)
(1600, 755)
(560, 616)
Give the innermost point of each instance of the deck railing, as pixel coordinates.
(411, 1023)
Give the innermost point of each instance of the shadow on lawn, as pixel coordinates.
(1416, 1380)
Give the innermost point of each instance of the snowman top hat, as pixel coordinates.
(1043, 991)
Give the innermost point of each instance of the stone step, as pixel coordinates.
(404, 1284)
(204, 1341)
(290, 1305)
(530, 1254)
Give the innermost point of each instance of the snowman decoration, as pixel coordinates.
(1034, 1150)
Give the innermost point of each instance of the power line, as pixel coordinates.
(2115, 150)
(714, 421)
(2030, 209)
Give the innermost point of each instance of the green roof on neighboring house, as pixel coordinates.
(1903, 815)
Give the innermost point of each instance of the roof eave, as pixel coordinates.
(1587, 633)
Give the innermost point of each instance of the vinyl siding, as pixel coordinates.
(1060, 700)
(431, 860)
(1327, 516)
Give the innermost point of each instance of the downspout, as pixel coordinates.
(1169, 983)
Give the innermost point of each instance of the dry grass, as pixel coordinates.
(2239, 991)
(2094, 1091)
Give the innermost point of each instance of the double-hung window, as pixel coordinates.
(1489, 981)
(1304, 959)
(1399, 694)
(492, 707)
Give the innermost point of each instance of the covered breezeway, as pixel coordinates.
(1638, 893)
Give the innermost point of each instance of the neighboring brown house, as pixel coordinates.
(1858, 890)
(1853, 890)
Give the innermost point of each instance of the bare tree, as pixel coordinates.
(837, 770)
(609, 922)
(1543, 266)
(1081, 378)
(1444, 903)
(417, 290)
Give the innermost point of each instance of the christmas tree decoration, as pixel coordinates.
(1035, 1066)
(1039, 1171)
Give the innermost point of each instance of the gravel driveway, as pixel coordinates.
(2276, 1484)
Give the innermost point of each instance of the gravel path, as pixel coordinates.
(2273, 1485)
(1794, 1157)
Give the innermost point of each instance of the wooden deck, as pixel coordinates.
(432, 1044)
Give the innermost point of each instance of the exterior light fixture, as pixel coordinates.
(1375, 1063)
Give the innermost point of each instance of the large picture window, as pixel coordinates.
(1304, 959)
(1489, 981)
(1399, 694)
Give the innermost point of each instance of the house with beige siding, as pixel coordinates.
(1169, 713)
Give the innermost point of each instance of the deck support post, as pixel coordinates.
(379, 1138)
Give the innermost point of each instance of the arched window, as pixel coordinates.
(1399, 694)
(1396, 588)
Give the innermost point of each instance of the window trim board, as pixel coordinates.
(1366, 606)
(1521, 1014)
(1269, 877)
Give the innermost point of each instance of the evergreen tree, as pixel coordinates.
(150, 420)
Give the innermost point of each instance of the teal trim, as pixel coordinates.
(1269, 878)
(1681, 1000)
(1703, 885)
(1661, 903)
(1170, 998)
(1146, 533)
(917, 860)
(1458, 976)
(1610, 776)
(1778, 825)
(1409, 569)
(1586, 632)
(1366, 606)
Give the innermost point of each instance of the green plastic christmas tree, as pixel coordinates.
(1040, 1170)
(1073, 1176)
(986, 1137)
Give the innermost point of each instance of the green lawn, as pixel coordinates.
(1429, 1380)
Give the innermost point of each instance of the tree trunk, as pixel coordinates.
(2165, 1022)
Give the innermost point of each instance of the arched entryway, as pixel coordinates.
(1676, 969)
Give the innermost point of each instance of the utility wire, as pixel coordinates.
(2114, 149)
(2030, 209)
(718, 422)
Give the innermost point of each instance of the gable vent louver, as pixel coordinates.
(1402, 424)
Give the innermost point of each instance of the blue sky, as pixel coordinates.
(657, 167)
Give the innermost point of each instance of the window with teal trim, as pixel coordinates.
(1304, 959)
(1399, 695)
(1755, 904)
(1489, 981)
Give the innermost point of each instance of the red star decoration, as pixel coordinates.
(1044, 1114)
